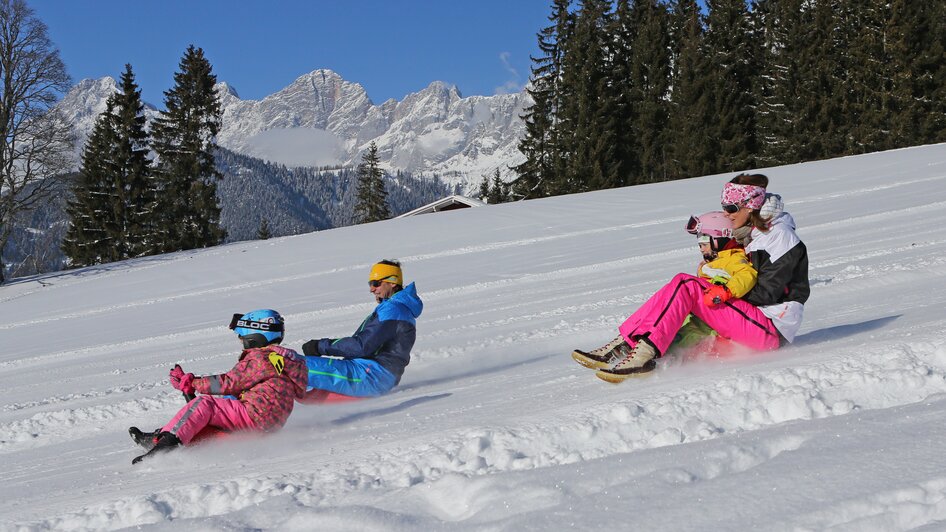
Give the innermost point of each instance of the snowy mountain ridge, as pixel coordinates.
(321, 119)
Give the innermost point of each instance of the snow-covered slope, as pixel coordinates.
(321, 119)
(494, 426)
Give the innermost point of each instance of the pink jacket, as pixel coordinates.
(266, 380)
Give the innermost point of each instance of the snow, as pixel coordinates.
(494, 427)
(296, 147)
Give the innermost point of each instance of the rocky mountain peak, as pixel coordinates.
(322, 119)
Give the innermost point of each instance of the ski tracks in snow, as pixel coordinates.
(612, 422)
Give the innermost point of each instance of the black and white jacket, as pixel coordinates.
(782, 289)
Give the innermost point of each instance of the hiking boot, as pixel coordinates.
(164, 443)
(637, 361)
(144, 439)
(601, 357)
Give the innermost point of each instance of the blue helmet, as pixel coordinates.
(258, 328)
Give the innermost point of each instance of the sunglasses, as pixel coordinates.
(730, 208)
(374, 284)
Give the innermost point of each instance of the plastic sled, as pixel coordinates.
(209, 434)
(321, 397)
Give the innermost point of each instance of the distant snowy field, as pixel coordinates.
(494, 427)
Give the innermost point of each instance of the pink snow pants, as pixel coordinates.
(663, 314)
(208, 410)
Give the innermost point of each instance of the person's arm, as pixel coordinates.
(774, 277)
(362, 344)
(742, 277)
(247, 373)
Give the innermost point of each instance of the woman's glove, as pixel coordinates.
(181, 381)
(772, 208)
(716, 294)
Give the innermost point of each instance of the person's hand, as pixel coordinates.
(772, 208)
(311, 348)
(181, 381)
(716, 294)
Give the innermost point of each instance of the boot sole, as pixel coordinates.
(617, 378)
(587, 362)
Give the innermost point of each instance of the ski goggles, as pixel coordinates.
(238, 321)
(693, 225)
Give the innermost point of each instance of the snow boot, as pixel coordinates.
(639, 360)
(144, 439)
(165, 442)
(601, 357)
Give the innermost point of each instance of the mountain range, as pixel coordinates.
(323, 120)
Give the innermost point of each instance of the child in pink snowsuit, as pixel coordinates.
(256, 395)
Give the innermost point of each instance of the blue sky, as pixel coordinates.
(391, 47)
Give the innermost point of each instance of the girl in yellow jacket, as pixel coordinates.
(725, 274)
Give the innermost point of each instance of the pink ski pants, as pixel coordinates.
(663, 314)
(207, 410)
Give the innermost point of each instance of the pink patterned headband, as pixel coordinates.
(750, 196)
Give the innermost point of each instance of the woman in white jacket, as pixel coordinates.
(766, 317)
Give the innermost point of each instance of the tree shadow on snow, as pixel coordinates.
(49, 278)
(380, 412)
(841, 331)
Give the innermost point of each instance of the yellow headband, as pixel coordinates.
(386, 272)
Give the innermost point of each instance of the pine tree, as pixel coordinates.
(866, 80)
(820, 99)
(185, 140)
(483, 192)
(263, 233)
(591, 142)
(542, 144)
(88, 239)
(114, 194)
(731, 52)
(138, 192)
(622, 104)
(778, 117)
(372, 202)
(691, 150)
(649, 86)
(498, 191)
(916, 42)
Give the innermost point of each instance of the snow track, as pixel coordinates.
(494, 426)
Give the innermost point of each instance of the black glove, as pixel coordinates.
(311, 348)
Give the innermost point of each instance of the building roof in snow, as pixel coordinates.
(449, 203)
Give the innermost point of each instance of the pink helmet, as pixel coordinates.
(714, 224)
(713, 228)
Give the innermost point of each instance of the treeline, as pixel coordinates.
(637, 91)
(297, 200)
(257, 199)
(129, 203)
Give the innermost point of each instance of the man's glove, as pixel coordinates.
(181, 381)
(715, 294)
(311, 348)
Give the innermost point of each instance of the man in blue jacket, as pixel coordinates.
(371, 361)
